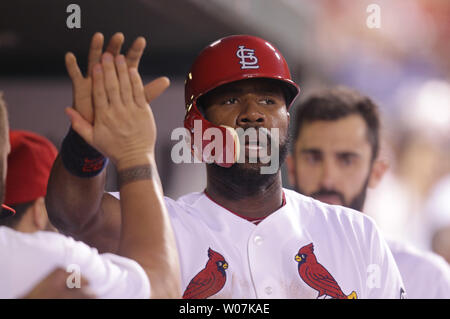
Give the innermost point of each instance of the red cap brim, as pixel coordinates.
(6, 211)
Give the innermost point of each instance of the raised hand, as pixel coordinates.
(82, 86)
(124, 128)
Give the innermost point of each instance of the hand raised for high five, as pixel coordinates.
(124, 128)
(82, 86)
(112, 114)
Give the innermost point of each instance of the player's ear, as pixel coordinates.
(290, 164)
(379, 168)
(40, 218)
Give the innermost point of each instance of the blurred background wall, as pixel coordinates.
(404, 66)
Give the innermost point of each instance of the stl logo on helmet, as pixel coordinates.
(248, 58)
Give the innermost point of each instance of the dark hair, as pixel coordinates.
(12, 221)
(336, 103)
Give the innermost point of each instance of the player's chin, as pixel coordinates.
(253, 166)
(252, 157)
(248, 166)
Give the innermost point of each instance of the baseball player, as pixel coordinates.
(29, 165)
(27, 259)
(244, 236)
(335, 159)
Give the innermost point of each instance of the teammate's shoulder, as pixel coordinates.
(185, 200)
(42, 240)
(184, 204)
(180, 203)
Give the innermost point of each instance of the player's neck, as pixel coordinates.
(246, 198)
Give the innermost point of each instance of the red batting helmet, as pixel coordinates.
(227, 60)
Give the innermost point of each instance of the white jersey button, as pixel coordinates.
(258, 240)
(268, 290)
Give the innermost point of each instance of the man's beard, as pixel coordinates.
(356, 203)
(248, 176)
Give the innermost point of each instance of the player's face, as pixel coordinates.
(333, 161)
(253, 103)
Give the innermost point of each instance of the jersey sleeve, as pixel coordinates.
(434, 281)
(26, 259)
(383, 276)
(442, 290)
(109, 275)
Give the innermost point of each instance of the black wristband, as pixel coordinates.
(79, 158)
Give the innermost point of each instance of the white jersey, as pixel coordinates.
(425, 274)
(305, 249)
(26, 259)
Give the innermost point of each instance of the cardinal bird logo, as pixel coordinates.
(317, 277)
(210, 280)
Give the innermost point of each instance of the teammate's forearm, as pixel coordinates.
(72, 201)
(146, 234)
